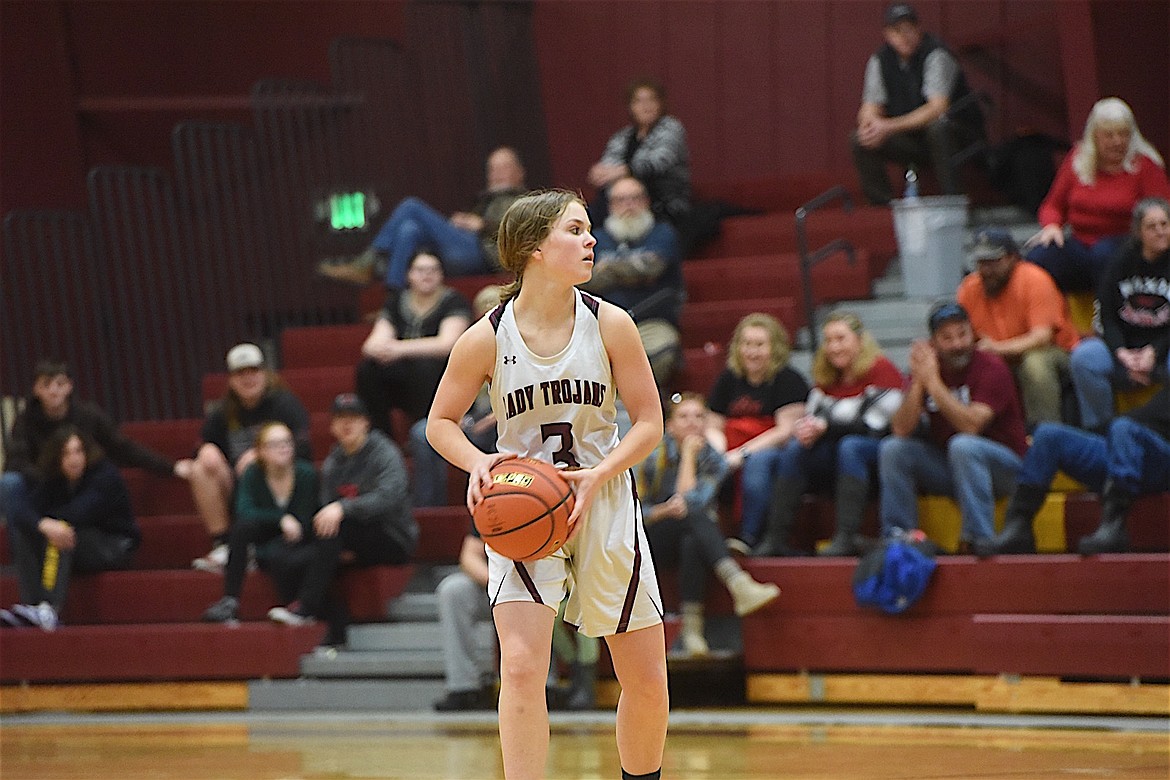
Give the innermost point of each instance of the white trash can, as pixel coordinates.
(931, 233)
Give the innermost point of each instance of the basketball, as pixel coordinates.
(525, 511)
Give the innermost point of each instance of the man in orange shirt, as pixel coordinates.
(1019, 314)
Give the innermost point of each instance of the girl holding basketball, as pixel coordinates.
(538, 349)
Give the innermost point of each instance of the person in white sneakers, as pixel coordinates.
(255, 395)
(78, 520)
(677, 485)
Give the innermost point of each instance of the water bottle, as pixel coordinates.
(911, 192)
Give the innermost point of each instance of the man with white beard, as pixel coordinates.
(637, 265)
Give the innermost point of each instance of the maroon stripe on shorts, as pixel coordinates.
(526, 578)
(632, 588)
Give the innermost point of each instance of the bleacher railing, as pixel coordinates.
(809, 259)
(147, 290)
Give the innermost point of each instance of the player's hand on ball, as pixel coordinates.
(481, 476)
(584, 483)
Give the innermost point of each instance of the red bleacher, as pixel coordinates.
(1101, 617)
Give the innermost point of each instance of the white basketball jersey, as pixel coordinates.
(558, 409)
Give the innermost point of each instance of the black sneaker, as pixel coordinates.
(226, 610)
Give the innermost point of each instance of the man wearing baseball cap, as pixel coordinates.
(1019, 314)
(910, 85)
(365, 510)
(959, 431)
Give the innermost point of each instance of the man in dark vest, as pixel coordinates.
(910, 85)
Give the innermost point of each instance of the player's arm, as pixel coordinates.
(470, 365)
(635, 385)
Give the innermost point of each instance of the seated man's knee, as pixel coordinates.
(1124, 428)
(454, 588)
(1038, 367)
(210, 462)
(965, 448)
(895, 452)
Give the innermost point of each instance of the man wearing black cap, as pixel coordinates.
(910, 84)
(962, 403)
(1020, 315)
(366, 510)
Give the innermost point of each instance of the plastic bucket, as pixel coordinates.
(931, 232)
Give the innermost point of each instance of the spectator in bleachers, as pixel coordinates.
(365, 514)
(835, 445)
(652, 149)
(1018, 314)
(1110, 170)
(755, 403)
(465, 616)
(275, 501)
(50, 407)
(429, 472)
(255, 395)
(1132, 458)
(677, 485)
(637, 264)
(910, 85)
(963, 402)
(1134, 311)
(406, 352)
(78, 520)
(466, 240)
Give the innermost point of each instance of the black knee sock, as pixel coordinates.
(655, 775)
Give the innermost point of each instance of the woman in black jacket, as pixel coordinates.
(79, 521)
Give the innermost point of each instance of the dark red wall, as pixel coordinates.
(763, 86)
(773, 87)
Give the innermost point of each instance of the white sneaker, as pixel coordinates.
(214, 561)
(42, 615)
(289, 617)
(748, 595)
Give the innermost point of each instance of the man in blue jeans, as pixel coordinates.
(466, 241)
(1133, 458)
(959, 431)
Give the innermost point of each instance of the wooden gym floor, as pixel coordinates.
(753, 744)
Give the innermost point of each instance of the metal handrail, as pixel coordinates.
(809, 259)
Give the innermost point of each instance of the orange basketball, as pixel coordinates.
(525, 512)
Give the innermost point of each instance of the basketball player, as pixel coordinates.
(556, 359)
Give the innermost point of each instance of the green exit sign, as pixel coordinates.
(347, 211)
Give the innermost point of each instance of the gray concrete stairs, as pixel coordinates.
(385, 667)
(895, 319)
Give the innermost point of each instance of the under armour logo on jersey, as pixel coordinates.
(509, 360)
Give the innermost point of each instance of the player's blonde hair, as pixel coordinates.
(525, 226)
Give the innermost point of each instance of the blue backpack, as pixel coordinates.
(893, 575)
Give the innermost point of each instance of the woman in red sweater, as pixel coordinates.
(1111, 169)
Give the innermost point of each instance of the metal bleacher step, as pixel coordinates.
(387, 664)
(421, 607)
(394, 636)
(410, 695)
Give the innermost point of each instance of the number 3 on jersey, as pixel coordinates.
(563, 431)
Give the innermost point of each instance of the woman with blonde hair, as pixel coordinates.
(1110, 170)
(835, 444)
(545, 335)
(754, 403)
(275, 501)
